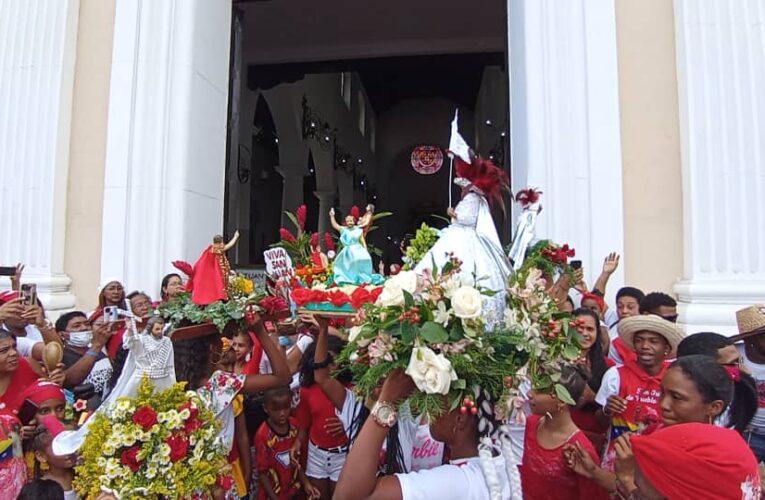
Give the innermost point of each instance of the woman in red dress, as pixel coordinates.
(16, 374)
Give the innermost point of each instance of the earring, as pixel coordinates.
(548, 415)
(710, 419)
(44, 465)
(248, 357)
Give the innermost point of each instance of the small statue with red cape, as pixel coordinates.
(209, 281)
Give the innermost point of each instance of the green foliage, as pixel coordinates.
(423, 241)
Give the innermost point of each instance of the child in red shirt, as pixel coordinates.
(544, 472)
(279, 477)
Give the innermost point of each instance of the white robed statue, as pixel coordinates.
(149, 353)
(472, 236)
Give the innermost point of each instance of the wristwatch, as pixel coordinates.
(384, 414)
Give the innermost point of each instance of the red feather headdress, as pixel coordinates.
(486, 176)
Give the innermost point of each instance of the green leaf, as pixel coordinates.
(408, 332)
(571, 351)
(434, 333)
(460, 383)
(408, 300)
(563, 394)
(293, 219)
(457, 332)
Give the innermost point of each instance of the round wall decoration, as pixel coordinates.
(427, 160)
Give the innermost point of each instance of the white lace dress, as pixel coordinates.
(472, 238)
(146, 355)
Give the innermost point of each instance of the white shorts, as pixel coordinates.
(324, 464)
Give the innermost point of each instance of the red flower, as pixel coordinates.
(528, 196)
(129, 458)
(146, 417)
(286, 235)
(338, 298)
(179, 446)
(317, 296)
(301, 296)
(301, 214)
(375, 293)
(329, 242)
(273, 304)
(359, 297)
(570, 252)
(225, 482)
(314, 240)
(355, 212)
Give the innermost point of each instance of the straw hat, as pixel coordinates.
(751, 321)
(628, 327)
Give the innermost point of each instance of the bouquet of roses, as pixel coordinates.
(432, 328)
(153, 445)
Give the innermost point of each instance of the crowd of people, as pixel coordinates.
(651, 412)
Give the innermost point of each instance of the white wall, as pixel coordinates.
(163, 194)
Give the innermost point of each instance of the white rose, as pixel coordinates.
(432, 373)
(394, 288)
(353, 333)
(466, 302)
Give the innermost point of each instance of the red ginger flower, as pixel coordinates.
(314, 240)
(301, 213)
(329, 242)
(286, 235)
(355, 212)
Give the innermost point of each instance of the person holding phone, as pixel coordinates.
(84, 359)
(40, 399)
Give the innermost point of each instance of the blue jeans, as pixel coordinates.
(757, 444)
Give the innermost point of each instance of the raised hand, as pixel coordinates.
(610, 263)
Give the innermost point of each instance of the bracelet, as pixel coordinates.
(318, 365)
(91, 352)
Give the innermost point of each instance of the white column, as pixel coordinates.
(721, 77)
(292, 189)
(564, 124)
(37, 55)
(166, 142)
(326, 199)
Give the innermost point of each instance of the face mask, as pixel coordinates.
(80, 339)
(284, 341)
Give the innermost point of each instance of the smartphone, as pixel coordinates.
(27, 412)
(29, 294)
(576, 264)
(7, 271)
(111, 313)
(270, 327)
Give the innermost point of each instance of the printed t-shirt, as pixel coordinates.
(22, 377)
(545, 475)
(642, 392)
(272, 455)
(463, 479)
(312, 413)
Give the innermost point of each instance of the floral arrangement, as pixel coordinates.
(431, 326)
(550, 258)
(152, 445)
(423, 241)
(549, 336)
(300, 246)
(355, 296)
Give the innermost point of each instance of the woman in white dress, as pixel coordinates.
(472, 236)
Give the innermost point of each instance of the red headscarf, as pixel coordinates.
(698, 461)
(597, 298)
(41, 391)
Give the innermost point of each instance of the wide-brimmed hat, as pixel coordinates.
(751, 321)
(628, 327)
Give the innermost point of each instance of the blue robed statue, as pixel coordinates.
(353, 264)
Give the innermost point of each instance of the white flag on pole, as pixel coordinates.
(457, 145)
